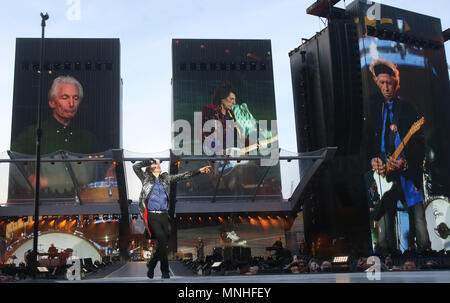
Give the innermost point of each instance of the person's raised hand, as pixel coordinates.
(205, 169)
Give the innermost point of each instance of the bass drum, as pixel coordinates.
(437, 214)
(147, 254)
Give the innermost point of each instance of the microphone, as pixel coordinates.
(44, 18)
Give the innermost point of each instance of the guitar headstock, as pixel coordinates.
(417, 126)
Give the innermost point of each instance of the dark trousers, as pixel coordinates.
(418, 234)
(160, 229)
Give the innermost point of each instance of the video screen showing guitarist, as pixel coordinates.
(396, 154)
(221, 109)
(239, 134)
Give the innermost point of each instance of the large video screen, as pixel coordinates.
(406, 107)
(224, 104)
(80, 118)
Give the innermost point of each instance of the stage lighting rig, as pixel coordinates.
(321, 8)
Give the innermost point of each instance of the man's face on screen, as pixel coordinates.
(387, 85)
(229, 101)
(65, 104)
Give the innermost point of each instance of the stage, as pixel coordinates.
(135, 272)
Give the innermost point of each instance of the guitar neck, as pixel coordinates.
(252, 147)
(402, 145)
(415, 128)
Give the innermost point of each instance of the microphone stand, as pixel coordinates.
(38, 151)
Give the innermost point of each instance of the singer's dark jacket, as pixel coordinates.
(415, 149)
(148, 181)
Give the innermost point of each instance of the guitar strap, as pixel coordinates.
(391, 128)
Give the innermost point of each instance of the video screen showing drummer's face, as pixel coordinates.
(67, 133)
(394, 71)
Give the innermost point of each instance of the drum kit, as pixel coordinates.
(437, 215)
(147, 254)
(101, 191)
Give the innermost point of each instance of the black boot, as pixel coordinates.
(150, 273)
(151, 269)
(165, 276)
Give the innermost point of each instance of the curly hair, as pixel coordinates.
(222, 91)
(385, 65)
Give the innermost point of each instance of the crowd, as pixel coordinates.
(12, 272)
(301, 264)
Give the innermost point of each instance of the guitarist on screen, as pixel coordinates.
(390, 123)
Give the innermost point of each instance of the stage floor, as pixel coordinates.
(135, 272)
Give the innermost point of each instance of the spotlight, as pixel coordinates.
(341, 260)
(48, 67)
(216, 265)
(36, 68)
(341, 263)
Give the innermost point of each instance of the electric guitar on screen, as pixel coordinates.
(377, 184)
(228, 166)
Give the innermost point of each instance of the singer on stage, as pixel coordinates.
(154, 207)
